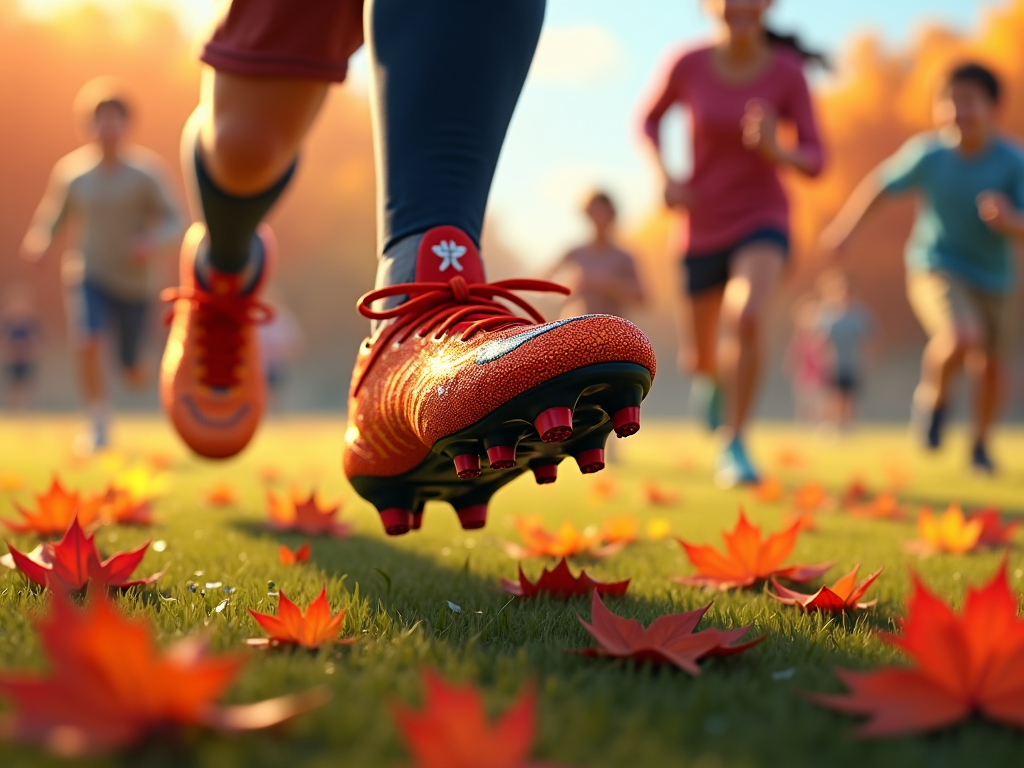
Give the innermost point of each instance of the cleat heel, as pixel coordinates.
(554, 425)
(397, 521)
(467, 466)
(472, 518)
(501, 456)
(626, 421)
(591, 460)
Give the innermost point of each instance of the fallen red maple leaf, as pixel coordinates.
(74, 560)
(292, 513)
(668, 640)
(855, 493)
(657, 496)
(293, 627)
(55, 509)
(966, 663)
(289, 557)
(560, 583)
(749, 560)
(993, 532)
(452, 730)
(841, 596)
(110, 689)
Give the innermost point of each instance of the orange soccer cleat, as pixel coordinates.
(211, 379)
(455, 394)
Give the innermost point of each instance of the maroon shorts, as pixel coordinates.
(309, 39)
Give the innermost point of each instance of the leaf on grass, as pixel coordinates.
(668, 640)
(452, 729)
(886, 506)
(658, 528)
(560, 583)
(622, 529)
(292, 513)
(53, 513)
(769, 491)
(844, 595)
(74, 560)
(659, 496)
(855, 493)
(961, 664)
(993, 532)
(810, 497)
(293, 557)
(110, 689)
(221, 494)
(292, 626)
(949, 532)
(122, 507)
(565, 541)
(748, 559)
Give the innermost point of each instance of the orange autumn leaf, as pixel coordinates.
(658, 496)
(844, 595)
(810, 497)
(962, 664)
(790, 458)
(949, 532)
(668, 640)
(623, 529)
(452, 729)
(160, 462)
(53, 512)
(993, 532)
(292, 513)
(658, 528)
(221, 494)
(883, 507)
(565, 541)
(769, 491)
(560, 583)
(604, 488)
(290, 557)
(748, 559)
(291, 626)
(118, 507)
(75, 560)
(804, 521)
(855, 493)
(110, 689)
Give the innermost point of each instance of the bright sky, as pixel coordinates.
(576, 124)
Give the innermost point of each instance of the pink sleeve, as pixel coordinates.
(671, 93)
(800, 110)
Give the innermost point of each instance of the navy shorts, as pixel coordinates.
(709, 271)
(94, 311)
(845, 382)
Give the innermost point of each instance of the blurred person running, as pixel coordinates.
(961, 275)
(737, 91)
(603, 277)
(461, 385)
(845, 328)
(116, 200)
(20, 329)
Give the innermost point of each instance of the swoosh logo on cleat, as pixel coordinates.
(209, 421)
(497, 349)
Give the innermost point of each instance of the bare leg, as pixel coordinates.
(700, 353)
(250, 129)
(942, 360)
(90, 376)
(755, 271)
(987, 372)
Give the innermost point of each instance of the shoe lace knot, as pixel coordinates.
(221, 319)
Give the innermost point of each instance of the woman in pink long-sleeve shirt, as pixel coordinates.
(737, 91)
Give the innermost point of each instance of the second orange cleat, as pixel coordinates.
(456, 394)
(211, 379)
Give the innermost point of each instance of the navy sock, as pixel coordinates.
(231, 220)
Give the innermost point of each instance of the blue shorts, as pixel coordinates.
(709, 271)
(94, 311)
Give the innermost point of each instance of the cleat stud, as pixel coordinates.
(591, 460)
(501, 456)
(472, 517)
(554, 425)
(545, 474)
(626, 421)
(467, 466)
(417, 521)
(396, 520)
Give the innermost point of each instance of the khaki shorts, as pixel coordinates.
(945, 303)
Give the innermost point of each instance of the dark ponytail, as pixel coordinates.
(792, 43)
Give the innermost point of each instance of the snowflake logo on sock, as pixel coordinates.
(449, 252)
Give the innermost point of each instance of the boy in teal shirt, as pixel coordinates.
(960, 257)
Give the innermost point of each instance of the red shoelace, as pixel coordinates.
(220, 319)
(440, 307)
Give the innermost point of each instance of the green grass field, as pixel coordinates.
(740, 712)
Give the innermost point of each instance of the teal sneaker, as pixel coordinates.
(734, 467)
(706, 402)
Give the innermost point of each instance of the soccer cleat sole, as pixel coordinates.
(571, 415)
